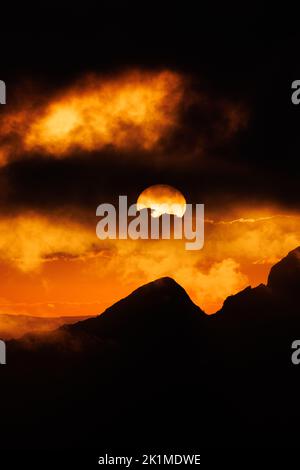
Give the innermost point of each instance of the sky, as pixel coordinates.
(105, 101)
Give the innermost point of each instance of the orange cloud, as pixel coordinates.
(236, 253)
(57, 262)
(28, 240)
(134, 110)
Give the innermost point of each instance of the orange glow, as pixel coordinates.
(28, 240)
(134, 110)
(61, 268)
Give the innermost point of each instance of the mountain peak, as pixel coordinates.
(162, 286)
(160, 305)
(284, 277)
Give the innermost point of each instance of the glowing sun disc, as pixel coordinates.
(162, 199)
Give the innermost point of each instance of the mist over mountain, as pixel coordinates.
(154, 371)
(16, 326)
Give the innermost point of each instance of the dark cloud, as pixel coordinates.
(233, 61)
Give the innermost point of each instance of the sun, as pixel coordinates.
(162, 199)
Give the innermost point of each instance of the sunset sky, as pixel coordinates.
(85, 123)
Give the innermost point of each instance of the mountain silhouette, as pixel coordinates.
(159, 308)
(284, 277)
(274, 305)
(154, 371)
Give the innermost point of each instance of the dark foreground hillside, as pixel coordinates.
(154, 371)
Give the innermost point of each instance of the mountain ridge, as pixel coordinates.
(156, 371)
(165, 294)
